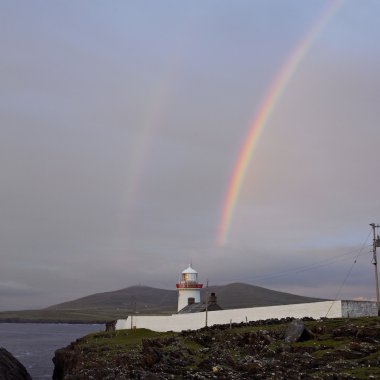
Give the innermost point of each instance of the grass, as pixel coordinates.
(191, 345)
(123, 338)
(364, 373)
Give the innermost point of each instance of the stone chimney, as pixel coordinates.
(212, 299)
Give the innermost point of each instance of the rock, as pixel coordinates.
(151, 354)
(349, 354)
(368, 333)
(151, 376)
(11, 368)
(297, 332)
(205, 364)
(151, 343)
(64, 360)
(111, 326)
(267, 338)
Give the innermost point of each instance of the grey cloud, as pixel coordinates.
(120, 128)
(13, 289)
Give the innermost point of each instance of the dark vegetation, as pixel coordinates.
(146, 300)
(331, 349)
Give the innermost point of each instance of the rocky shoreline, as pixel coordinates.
(272, 349)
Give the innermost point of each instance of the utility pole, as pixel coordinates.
(376, 243)
(133, 302)
(206, 303)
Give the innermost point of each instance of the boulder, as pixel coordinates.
(111, 326)
(297, 332)
(11, 368)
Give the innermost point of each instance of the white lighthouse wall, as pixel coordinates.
(185, 294)
(194, 321)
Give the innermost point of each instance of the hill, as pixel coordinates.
(147, 300)
(239, 295)
(142, 299)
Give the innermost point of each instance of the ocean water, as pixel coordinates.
(34, 344)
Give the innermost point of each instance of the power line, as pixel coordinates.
(303, 269)
(307, 267)
(348, 273)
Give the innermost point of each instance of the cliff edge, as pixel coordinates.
(11, 368)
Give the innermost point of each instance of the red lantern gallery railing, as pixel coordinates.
(189, 285)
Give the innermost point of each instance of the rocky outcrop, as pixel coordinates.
(11, 368)
(65, 361)
(297, 332)
(272, 349)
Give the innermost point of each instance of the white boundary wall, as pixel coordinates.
(194, 321)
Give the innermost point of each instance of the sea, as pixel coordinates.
(34, 344)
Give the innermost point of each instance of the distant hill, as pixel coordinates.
(147, 300)
(143, 299)
(239, 295)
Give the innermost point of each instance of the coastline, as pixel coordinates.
(34, 344)
(56, 321)
(71, 316)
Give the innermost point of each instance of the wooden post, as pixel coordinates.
(374, 262)
(206, 303)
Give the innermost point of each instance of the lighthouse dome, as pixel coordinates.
(189, 270)
(189, 277)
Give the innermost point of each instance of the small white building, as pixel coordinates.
(188, 287)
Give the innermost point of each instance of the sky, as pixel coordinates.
(121, 123)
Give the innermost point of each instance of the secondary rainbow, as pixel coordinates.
(267, 106)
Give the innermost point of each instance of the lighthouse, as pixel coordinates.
(189, 290)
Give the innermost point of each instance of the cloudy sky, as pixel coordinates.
(121, 123)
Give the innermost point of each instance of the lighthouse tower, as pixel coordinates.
(188, 287)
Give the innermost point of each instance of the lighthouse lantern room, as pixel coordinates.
(188, 287)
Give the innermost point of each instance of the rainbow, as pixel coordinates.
(267, 106)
